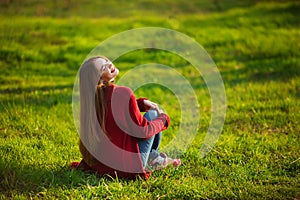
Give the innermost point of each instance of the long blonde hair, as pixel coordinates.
(92, 108)
(100, 103)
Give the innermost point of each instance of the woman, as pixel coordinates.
(115, 138)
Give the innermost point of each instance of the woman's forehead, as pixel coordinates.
(100, 61)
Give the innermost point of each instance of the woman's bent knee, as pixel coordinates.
(151, 114)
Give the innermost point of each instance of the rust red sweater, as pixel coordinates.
(118, 153)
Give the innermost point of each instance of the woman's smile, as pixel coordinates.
(112, 70)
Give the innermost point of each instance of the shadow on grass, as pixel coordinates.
(33, 89)
(119, 8)
(45, 96)
(34, 179)
(263, 71)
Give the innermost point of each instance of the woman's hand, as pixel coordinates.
(152, 106)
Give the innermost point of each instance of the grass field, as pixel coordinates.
(255, 45)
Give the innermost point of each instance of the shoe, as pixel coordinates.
(162, 161)
(176, 161)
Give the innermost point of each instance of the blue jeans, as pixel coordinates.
(151, 144)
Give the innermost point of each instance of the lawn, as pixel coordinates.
(254, 44)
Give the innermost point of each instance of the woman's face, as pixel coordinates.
(109, 71)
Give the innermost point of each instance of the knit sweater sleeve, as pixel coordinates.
(130, 119)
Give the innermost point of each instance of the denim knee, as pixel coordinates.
(151, 114)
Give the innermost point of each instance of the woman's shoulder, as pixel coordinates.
(122, 90)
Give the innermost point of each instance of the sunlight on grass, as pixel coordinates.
(255, 46)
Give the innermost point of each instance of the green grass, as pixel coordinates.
(255, 46)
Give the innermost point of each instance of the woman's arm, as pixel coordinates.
(130, 119)
(140, 126)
